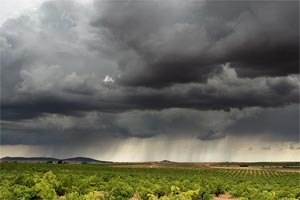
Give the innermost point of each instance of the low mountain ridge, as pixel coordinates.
(51, 159)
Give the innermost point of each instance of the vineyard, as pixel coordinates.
(106, 181)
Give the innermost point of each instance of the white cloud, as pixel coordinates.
(14, 8)
(108, 79)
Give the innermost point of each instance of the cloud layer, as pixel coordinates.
(203, 70)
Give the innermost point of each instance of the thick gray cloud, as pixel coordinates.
(48, 90)
(203, 70)
(170, 42)
(51, 129)
(54, 35)
(280, 124)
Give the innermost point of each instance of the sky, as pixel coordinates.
(193, 81)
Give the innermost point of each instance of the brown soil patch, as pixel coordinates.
(252, 168)
(100, 194)
(225, 197)
(134, 198)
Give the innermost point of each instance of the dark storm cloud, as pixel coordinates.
(148, 68)
(58, 129)
(48, 65)
(54, 35)
(222, 91)
(277, 124)
(44, 104)
(51, 129)
(169, 42)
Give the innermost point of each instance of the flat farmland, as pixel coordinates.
(150, 181)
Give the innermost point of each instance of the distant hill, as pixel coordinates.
(166, 161)
(50, 159)
(82, 159)
(44, 159)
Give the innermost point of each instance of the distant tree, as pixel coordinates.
(60, 162)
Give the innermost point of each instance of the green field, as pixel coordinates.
(109, 181)
(264, 164)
